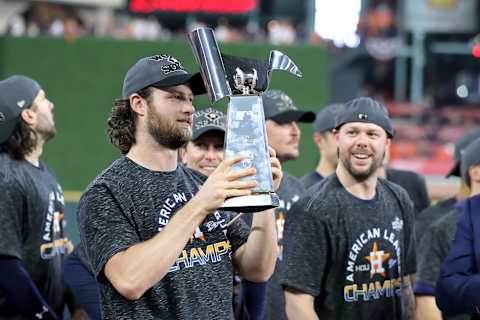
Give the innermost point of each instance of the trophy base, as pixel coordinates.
(252, 203)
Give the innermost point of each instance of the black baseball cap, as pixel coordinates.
(206, 120)
(279, 107)
(160, 71)
(326, 118)
(17, 93)
(460, 146)
(367, 110)
(470, 157)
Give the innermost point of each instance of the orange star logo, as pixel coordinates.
(198, 234)
(376, 259)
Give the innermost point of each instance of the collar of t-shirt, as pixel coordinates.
(372, 201)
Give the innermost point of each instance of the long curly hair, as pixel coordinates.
(121, 124)
(22, 141)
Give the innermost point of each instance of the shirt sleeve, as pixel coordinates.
(105, 229)
(12, 204)
(410, 245)
(238, 231)
(306, 251)
(432, 252)
(428, 266)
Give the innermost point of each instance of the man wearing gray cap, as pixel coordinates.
(349, 243)
(205, 151)
(459, 284)
(32, 242)
(152, 233)
(324, 138)
(282, 123)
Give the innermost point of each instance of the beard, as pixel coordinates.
(287, 153)
(47, 134)
(362, 175)
(45, 129)
(167, 132)
(286, 157)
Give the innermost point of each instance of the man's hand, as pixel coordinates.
(224, 183)
(277, 173)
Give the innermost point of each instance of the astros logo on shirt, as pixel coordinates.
(376, 259)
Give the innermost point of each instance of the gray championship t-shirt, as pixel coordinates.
(31, 227)
(128, 204)
(349, 253)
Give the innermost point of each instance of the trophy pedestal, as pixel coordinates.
(253, 203)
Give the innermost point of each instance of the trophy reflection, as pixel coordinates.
(242, 80)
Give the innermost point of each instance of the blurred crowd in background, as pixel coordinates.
(422, 65)
(77, 20)
(420, 59)
(71, 21)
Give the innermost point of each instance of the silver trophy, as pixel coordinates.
(242, 80)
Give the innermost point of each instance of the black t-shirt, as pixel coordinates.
(128, 204)
(431, 214)
(349, 253)
(414, 184)
(311, 178)
(31, 226)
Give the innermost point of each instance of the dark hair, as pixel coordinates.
(121, 124)
(22, 141)
(468, 179)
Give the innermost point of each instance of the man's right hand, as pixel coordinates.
(224, 183)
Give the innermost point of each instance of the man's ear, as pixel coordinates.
(388, 145)
(336, 133)
(29, 116)
(318, 139)
(138, 104)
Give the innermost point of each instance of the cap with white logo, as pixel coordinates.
(160, 70)
(367, 110)
(17, 93)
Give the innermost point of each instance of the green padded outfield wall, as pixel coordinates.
(84, 76)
